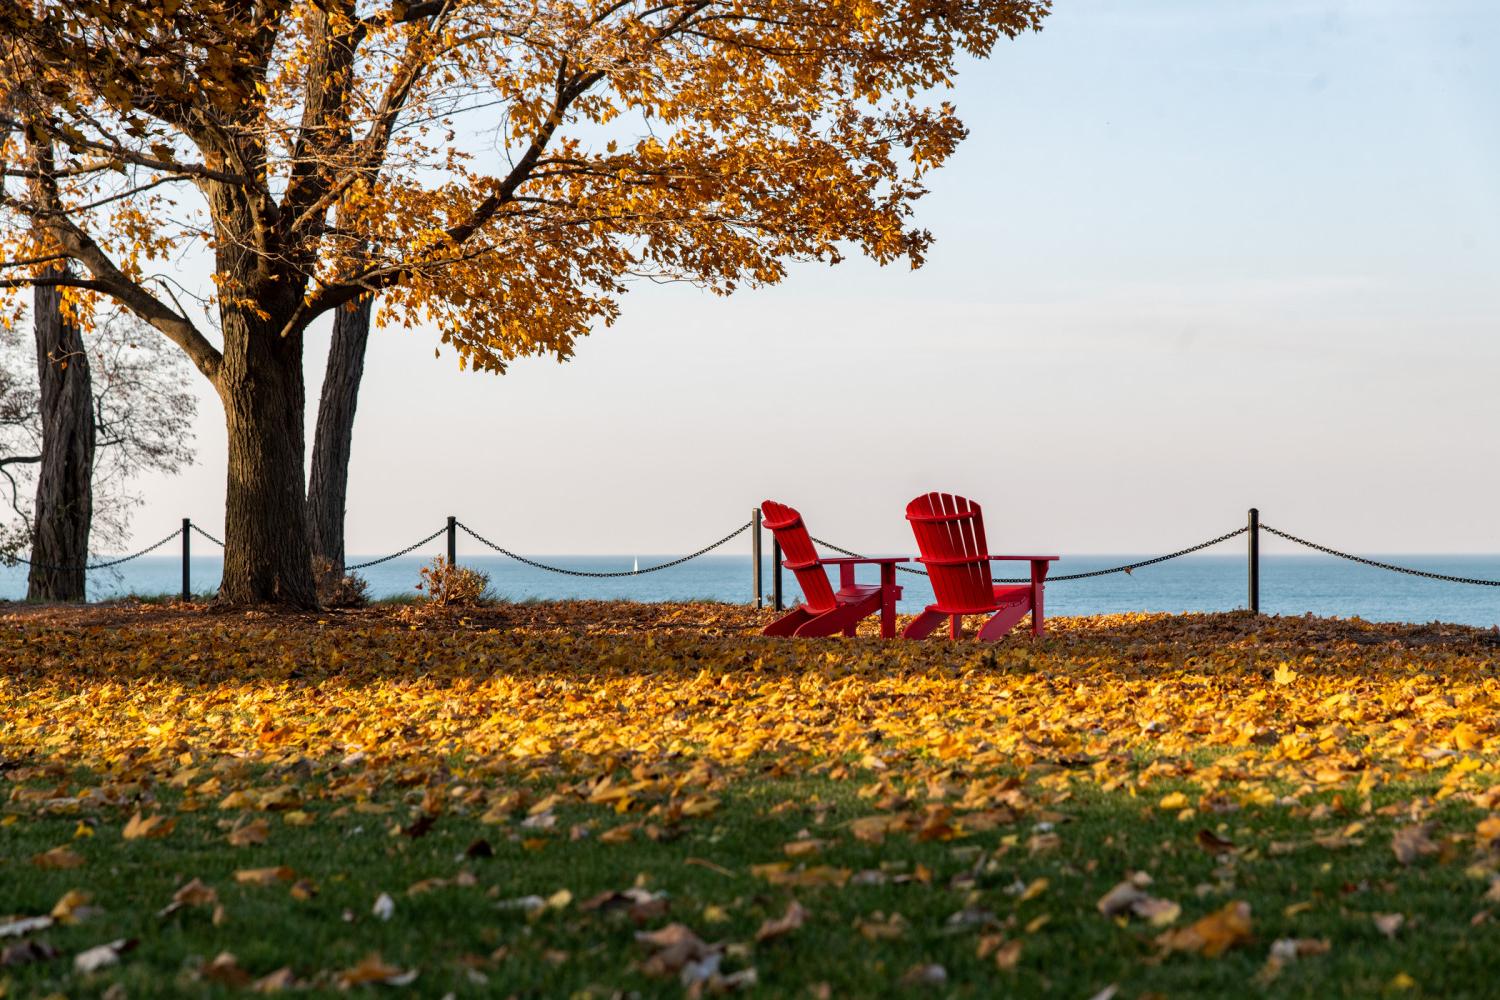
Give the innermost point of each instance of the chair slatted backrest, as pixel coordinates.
(799, 555)
(950, 536)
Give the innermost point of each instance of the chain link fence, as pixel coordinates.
(13, 559)
(455, 525)
(1127, 568)
(1390, 567)
(604, 575)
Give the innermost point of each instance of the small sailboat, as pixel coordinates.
(637, 567)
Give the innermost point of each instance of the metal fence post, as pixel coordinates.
(1254, 561)
(452, 541)
(776, 601)
(755, 557)
(187, 555)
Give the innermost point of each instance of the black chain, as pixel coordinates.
(1129, 567)
(395, 555)
(628, 572)
(205, 534)
(12, 560)
(1380, 565)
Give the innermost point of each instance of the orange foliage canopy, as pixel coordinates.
(325, 150)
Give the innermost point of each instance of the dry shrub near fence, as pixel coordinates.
(451, 585)
(336, 589)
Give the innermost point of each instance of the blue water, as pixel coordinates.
(1289, 584)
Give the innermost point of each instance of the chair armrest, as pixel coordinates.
(1024, 558)
(852, 561)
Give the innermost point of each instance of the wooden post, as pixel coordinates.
(755, 557)
(187, 555)
(776, 601)
(1254, 561)
(452, 541)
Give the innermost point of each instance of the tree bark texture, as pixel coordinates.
(266, 555)
(328, 484)
(64, 489)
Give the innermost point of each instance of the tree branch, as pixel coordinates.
(108, 277)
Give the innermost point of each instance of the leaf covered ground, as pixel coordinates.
(591, 800)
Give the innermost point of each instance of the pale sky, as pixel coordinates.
(1193, 257)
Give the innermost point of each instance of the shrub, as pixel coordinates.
(453, 585)
(339, 590)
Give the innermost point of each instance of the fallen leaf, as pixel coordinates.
(25, 953)
(73, 907)
(275, 982)
(58, 858)
(373, 969)
(384, 908)
(802, 848)
(102, 956)
(639, 904)
(925, 975)
(1288, 949)
(1413, 842)
(250, 834)
(1008, 955)
(1156, 912)
(193, 893)
(264, 876)
(794, 917)
(1120, 899)
(24, 925)
(672, 948)
(1212, 935)
(150, 826)
(1212, 843)
(225, 969)
(879, 927)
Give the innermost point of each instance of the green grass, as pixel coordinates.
(353, 857)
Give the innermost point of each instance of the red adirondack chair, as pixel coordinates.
(828, 611)
(950, 536)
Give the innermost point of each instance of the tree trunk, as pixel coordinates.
(266, 557)
(328, 485)
(64, 489)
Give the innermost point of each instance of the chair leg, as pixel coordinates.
(888, 612)
(844, 618)
(787, 624)
(923, 625)
(819, 626)
(956, 627)
(1004, 620)
(1036, 611)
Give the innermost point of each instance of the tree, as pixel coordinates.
(136, 415)
(705, 140)
(64, 483)
(328, 482)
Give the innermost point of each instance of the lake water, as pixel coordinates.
(1289, 584)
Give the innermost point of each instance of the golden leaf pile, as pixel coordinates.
(646, 719)
(197, 704)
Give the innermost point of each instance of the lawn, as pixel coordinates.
(597, 800)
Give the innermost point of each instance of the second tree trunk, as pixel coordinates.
(64, 488)
(328, 484)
